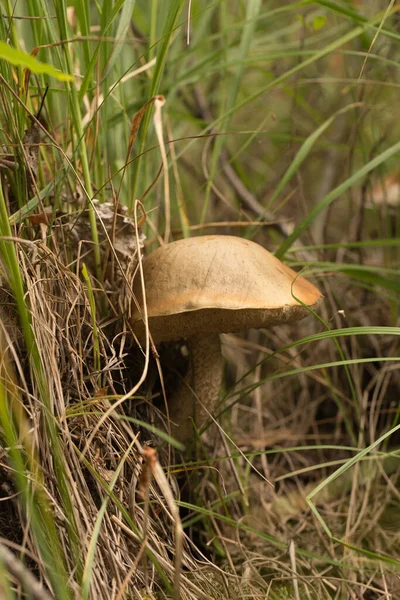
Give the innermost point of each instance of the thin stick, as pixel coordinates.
(292, 555)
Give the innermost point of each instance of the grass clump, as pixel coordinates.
(273, 121)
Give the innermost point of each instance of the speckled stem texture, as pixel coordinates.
(197, 396)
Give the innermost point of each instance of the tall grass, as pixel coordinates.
(280, 125)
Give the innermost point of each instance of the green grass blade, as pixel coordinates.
(334, 194)
(174, 10)
(121, 35)
(252, 11)
(300, 157)
(23, 59)
(87, 573)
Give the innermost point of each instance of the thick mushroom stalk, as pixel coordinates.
(197, 396)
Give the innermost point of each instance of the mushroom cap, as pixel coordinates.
(218, 284)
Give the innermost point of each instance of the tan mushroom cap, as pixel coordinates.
(218, 284)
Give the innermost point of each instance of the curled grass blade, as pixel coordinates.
(175, 9)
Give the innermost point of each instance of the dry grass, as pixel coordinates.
(96, 501)
(126, 531)
(105, 476)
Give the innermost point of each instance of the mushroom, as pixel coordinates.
(199, 287)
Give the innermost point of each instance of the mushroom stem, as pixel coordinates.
(197, 395)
